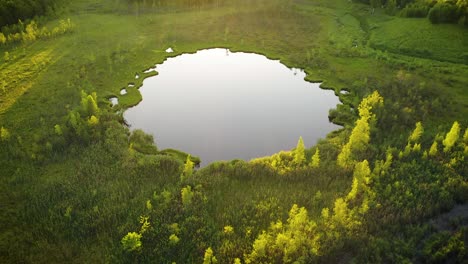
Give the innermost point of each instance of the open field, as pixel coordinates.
(71, 196)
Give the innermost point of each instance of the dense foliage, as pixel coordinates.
(438, 11)
(391, 186)
(12, 11)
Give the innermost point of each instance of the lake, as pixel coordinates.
(222, 105)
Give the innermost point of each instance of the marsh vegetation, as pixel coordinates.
(78, 185)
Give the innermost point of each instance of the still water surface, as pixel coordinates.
(221, 105)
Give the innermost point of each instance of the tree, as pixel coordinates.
(433, 149)
(444, 12)
(12, 11)
(463, 11)
(361, 179)
(228, 230)
(360, 135)
(173, 239)
(31, 32)
(344, 218)
(375, 4)
(417, 132)
(299, 153)
(315, 161)
(340, 212)
(354, 190)
(465, 141)
(391, 7)
(451, 137)
(4, 134)
(58, 130)
(259, 249)
(89, 104)
(188, 169)
(291, 242)
(416, 147)
(187, 195)
(78, 125)
(344, 158)
(462, 4)
(368, 103)
(209, 257)
(142, 142)
(131, 242)
(149, 206)
(93, 121)
(299, 236)
(2, 38)
(281, 161)
(145, 224)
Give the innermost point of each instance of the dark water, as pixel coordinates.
(221, 105)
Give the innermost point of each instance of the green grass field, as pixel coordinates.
(72, 199)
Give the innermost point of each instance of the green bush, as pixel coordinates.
(445, 247)
(12, 11)
(143, 142)
(131, 242)
(415, 10)
(443, 13)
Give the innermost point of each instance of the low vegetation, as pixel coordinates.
(80, 186)
(437, 11)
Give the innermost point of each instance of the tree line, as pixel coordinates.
(437, 11)
(12, 11)
(31, 32)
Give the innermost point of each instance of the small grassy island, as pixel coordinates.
(389, 186)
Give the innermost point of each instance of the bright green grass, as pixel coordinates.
(420, 38)
(107, 49)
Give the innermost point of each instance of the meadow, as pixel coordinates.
(79, 186)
